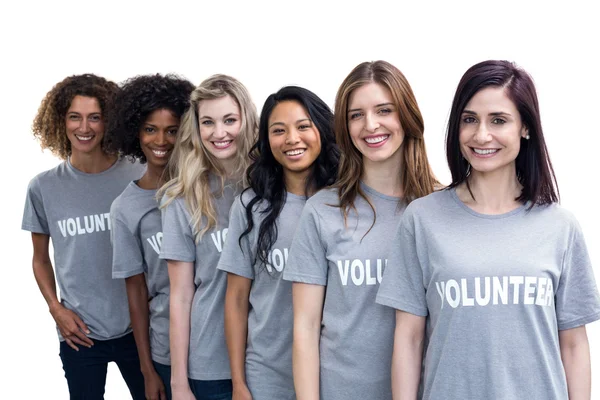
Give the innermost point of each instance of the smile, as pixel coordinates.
(484, 152)
(84, 138)
(376, 141)
(222, 144)
(295, 152)
(160, 153)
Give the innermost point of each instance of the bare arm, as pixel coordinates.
(408, 355)
(236, 330)
(308, 309)
(575, 354)
(71, 327)
(181, 277)
(137, 296)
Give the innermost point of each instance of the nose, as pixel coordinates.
(371, 123)
(84, 125)
(220, 131)
(292, 137)
(482, 134)
(161, 138)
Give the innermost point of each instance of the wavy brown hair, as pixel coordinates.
(49, 124)
(416, 174)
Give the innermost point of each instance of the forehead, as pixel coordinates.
(162, 116)
(369, 95)
(288, 111)
(491, 99)
(215, 108)
(84, 104)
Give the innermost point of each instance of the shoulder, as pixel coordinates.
(324, 197)
(436, 201)
(47, 177)
(559, 217)
(121, 202)
(132, 169)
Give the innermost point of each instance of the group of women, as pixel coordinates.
(215, 254)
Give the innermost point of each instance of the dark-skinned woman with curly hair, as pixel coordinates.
(144, 124)
(70, 205)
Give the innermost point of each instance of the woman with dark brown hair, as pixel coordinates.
(342, 339)
(70, 204)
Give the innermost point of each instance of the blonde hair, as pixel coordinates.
(416, 175)
(191, 163)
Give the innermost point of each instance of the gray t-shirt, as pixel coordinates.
(136, 238)
(72, 207)
(208, 359)
(496, 289)
(270, 317)
(356, 333)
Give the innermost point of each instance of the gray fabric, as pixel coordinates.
(270, 317)
(496, 289)
(136, 238)
(208, 359)
(356, 333)
(72, 207)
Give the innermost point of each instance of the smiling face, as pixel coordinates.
(84, 125)
(374, 123)
(293, 137)
(220, 123)
(490, 131)
(158, 134)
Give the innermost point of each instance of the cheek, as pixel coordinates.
(235, 129)
(171, 139)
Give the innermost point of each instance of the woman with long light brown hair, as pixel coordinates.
(342, 338)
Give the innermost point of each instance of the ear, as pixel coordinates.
(525, 132)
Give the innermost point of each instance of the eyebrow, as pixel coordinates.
(495, 114)
(378, 105)
(281, 123)
(224, 116)
(156, 126)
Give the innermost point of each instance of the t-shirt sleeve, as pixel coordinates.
(307, 261)
(236, 259)
(34, 215)
(576, 298)
(402, 284)
(128, 259)
(178, 242)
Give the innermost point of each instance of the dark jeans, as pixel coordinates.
(85, 369)
(212, 390)
(164, 371)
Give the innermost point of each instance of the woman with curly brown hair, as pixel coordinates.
(70, 204)
(144, 125)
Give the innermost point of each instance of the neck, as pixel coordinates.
(228, 166)
(495, 192)
(384, 176)
(295, 182)
(93, 162)
(153, 178)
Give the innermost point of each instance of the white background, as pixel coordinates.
(266, 46)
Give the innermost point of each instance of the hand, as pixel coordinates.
(184, 393)
(155, 388)
(71, 327)
(241, 392)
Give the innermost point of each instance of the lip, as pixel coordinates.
(221, 144)
(386, 137)
(295, 156)
(78, 137)
(166, 152)
(488, 155)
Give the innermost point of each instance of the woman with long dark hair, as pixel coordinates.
(294, 157)
(491, 272)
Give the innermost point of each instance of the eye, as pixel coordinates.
(385, 111)
(277, 131)
(95, 118)
(355, 115)
(498, 121)
(207, 122)
(172, 132)
(74, 117)
(149, 129)
(468, 120)
(230, 121)
(304, 127)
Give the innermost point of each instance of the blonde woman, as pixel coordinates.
(206, 167)
(342, 339)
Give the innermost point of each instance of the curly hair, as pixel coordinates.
(49, 124)
(138, 98)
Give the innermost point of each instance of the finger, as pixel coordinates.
(71, 345)
(76, 340)
(162, 395)
(88, 342)
(81, 324)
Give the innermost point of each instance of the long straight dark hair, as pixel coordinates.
(265, 174)
(534, 168)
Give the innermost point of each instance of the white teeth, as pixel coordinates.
(484, 151)
(294, 152)
(224, 143)
(84, 138)
(159, 153)
(376, 139)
